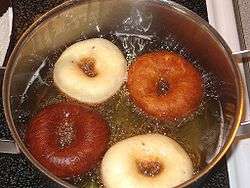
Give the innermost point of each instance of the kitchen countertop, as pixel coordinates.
(16, 170)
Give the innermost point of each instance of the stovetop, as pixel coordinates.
(16, 170)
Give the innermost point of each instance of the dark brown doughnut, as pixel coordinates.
(67, 139)
(165, 85)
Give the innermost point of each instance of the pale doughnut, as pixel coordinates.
(152, 152)
(90, 71)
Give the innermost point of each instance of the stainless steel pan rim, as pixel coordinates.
(185, 12)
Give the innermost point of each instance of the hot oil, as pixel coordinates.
(198, 134)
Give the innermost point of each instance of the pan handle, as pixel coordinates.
(6, 146)
(244, 130)
(243, 57)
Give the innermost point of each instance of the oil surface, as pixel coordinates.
(198, 134)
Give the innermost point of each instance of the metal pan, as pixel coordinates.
(143, 18)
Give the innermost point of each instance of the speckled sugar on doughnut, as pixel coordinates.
(90, 71)
(146, 161)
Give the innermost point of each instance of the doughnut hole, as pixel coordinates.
(65, 134)
(149, 168)
(162, 87)
(87, 66)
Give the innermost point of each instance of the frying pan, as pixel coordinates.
(141, 20)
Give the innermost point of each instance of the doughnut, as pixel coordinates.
(165, 85)
(67, 139)
(146, 161)
(90, 71)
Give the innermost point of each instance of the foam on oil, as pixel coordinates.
(198, 134)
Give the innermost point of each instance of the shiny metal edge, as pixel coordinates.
(182, 10)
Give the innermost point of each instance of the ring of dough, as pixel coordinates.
(90, 71)
(146, 161)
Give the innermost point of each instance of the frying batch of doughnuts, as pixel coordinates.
(69, 139)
